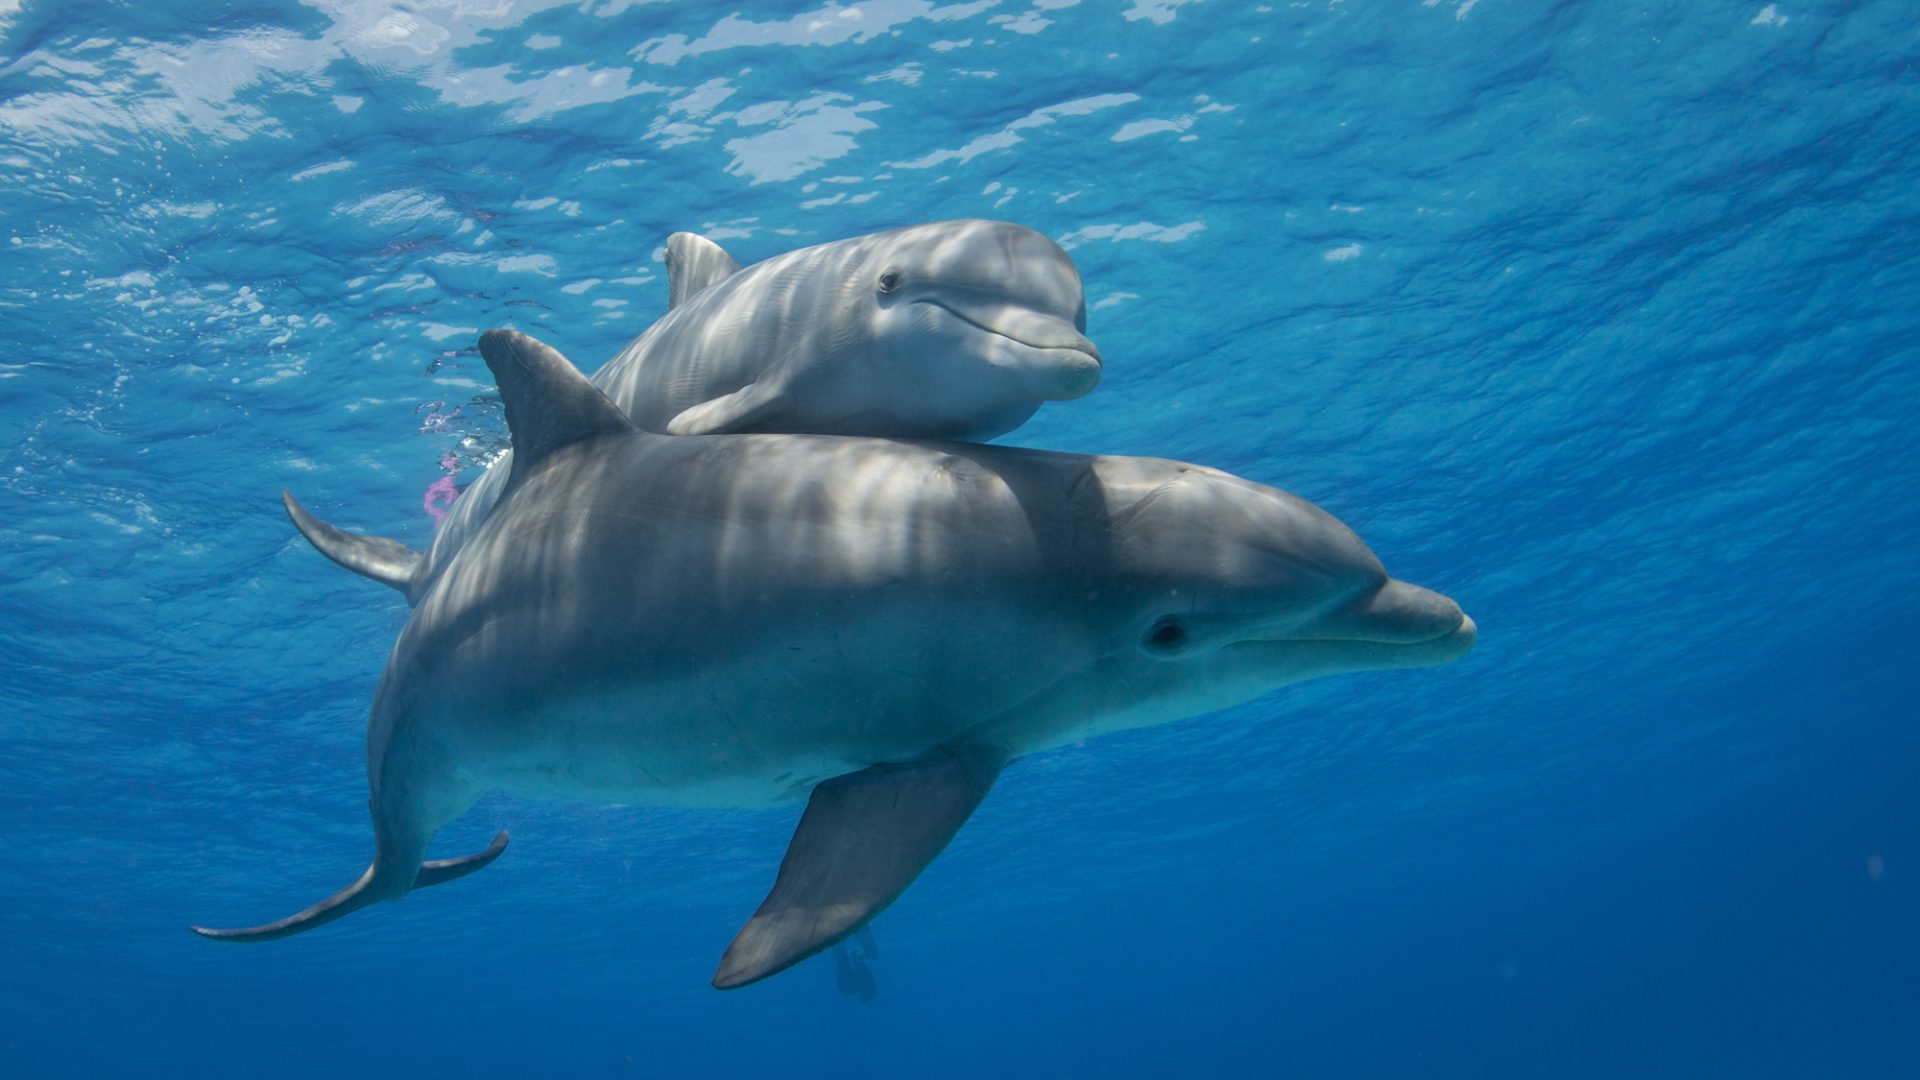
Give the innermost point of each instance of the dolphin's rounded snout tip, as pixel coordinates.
(1456, 641)
(1079, 375)
(1072, 371)
(1466, 635)
(1431, 627)
(1449, 646)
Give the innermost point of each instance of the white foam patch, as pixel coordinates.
(1769, 16)
(1027, 22)
(436, 332)
(1140, 129)
(703, 99)
(1142, 230)
(806, 135)
(403, 207)
(543, 265)
(1344, 253)
(199, 88)
(321, 170)
(828, 26)
(908, 74)
(1158, 12)
(542, 96)
(956, 12)
(1009, 136)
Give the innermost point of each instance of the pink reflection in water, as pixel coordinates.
(440, 494)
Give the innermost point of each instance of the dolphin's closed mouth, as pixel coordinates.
(1025, 326)
(1361, 653)
(1442, 646)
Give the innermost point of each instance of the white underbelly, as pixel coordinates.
(659, 749)
(632, 783)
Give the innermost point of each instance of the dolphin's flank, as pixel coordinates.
(877, 626)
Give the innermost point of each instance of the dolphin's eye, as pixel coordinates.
(1167, 635)
(889, 281)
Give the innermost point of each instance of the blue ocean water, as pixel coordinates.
(1601, 318)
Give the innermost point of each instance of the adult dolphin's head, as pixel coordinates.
(1220, 589)
(973, 313)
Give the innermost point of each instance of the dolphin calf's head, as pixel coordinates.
(1223, 589)
(975, 309)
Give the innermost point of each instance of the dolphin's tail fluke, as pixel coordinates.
(345, 902)
(359, 895)
(388, 562)
(441, 871)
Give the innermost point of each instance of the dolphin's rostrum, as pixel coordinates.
(878, 626)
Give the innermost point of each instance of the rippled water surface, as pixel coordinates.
(1599, 317)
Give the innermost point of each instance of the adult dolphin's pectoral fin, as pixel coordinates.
(749, 408)
(388, 562)
(693, 263)
(863, 839)
(356, 896)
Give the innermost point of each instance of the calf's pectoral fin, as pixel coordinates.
(359, 895)
(863, 839)
(744, 410)
(388, 562)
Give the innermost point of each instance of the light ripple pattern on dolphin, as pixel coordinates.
(946, 330)
(878, 626)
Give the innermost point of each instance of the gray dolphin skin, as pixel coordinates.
(875, 626)
(950, 330)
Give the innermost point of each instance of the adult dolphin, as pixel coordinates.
(876, 626)
(950, 330)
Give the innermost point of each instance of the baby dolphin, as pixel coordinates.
(875, 626)
(949, 330)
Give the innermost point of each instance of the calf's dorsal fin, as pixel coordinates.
(693, 263)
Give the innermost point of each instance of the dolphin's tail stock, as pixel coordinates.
(388, 562)
(360, 894)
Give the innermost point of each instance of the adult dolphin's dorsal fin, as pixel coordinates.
(693, 263)
(388, 562)
(549, 403)
(863, 839)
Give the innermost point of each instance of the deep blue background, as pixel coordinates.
(1600, 318)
